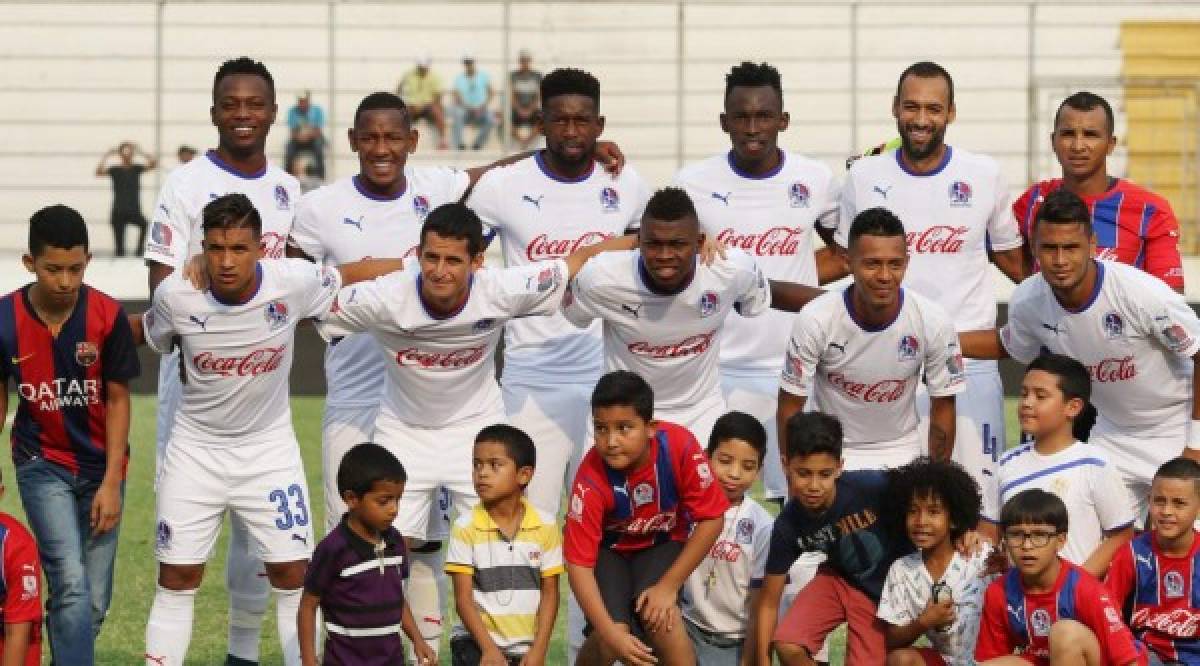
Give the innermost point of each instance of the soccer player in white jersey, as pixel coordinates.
(438, 324)
(765, 201)
(1138, 339)
(243, 110)
(231, 445)
(956, 211)
(545, 207)
(860, 353)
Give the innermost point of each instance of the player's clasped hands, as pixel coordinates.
(631, 651)
(938, 615)
(492, 657)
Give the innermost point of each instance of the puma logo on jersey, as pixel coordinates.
(537, 203)
(722, 198)
(1144, 559)
(301, 538)
(883, 192)
(635, 311)
(202, 323)
(1051, 327)
(839, 347)
(357, 224)
(18, 360)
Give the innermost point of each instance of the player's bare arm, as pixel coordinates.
(578, 258)
(1016, 263)
(831, 263)
(368, 269)
(106, 505)
(17, 637)
(156, 274)
(750, 644)
(766, 613)
(468, 614)
(984, 344)
(787, 406)
(658, 606)
(941, 427)
(306, 628)
(616, 638)
(292, 251)
(607, 154)
(790, 296)
(546, 613)
(1097, 563)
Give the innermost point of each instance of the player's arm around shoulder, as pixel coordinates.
(583, 300)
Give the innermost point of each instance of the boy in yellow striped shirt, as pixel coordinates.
(504, 559)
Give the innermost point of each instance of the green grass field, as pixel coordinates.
(121, 641)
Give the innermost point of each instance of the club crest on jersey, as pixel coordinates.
(86, 353)
(1177, 338)
(576, 512)
(610, 201)
(709, 302)
(705, 473)
(547, 279)
(798, 195)
(955, 364)
(1173, 584)
(277, 314)
(643, 494)
(160, 234)
(908, 348)
(1114, 327)
(282, 200)
(960, 193)
(744, 532)
(420, 206)
(1039, 622)
(484, 325)
(162, 535)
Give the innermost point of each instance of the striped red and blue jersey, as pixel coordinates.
(60, 381)
(1133, 226)
(1016, 621)
(20, 584)
(629, 511)
(1161, 596)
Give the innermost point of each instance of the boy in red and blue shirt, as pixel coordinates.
(1153, 576)
(69, 351)
(1044, 609)
(645, 509)
(20, 594)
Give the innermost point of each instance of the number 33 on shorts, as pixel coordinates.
(293, 511)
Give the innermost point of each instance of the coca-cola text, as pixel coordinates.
(774, 242)
(257, 362)
(440, 360)
(1176, 623)
(884, 390)
(938, 239)
(690, 346)
(1113, 370)
(543, 247)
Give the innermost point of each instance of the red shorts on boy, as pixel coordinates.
(826, 602)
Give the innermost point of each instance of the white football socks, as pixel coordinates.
(426, 595)
(287, 606)
(169, 629)
(249, 593)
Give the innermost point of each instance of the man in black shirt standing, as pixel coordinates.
(126, 179)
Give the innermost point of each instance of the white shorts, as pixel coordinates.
(558, 418)
(699, 418)
(979, 437)
(262, 487)
(1137, 459)
(758, 396)
(885, 455)
(435, 459)
(343, 428)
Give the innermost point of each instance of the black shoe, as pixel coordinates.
(231, 660)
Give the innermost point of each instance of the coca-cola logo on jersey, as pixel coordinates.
(544, 247)
(257, 362)
(690, 346)
(726, 551)
(440, 360)
(272, 245)
(884, 390)
(938, 239)
(774, 242)
(659, 522)
(1113, 370)
(1177, 623)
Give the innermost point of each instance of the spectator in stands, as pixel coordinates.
(126, 180)
(185, 153)
(421, 90)
(306, 120)
(472, 96)
(524, 86)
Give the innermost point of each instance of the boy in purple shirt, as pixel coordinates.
(356, 575)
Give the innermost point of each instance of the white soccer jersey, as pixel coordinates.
(866, 376)
(1136, 338)
(909, 587)
(771, 218)
(951, 216)
(540, 216)
(175, 232)
(1083, 479)
(669, 339)
(343, 223)
(714, 596)
(442, 370)
(237, 356)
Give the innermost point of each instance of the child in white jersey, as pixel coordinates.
(935, 592)
(1054, 395)
(719, 594)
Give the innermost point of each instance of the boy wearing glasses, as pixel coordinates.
(1054, 393)
(1046, 610)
